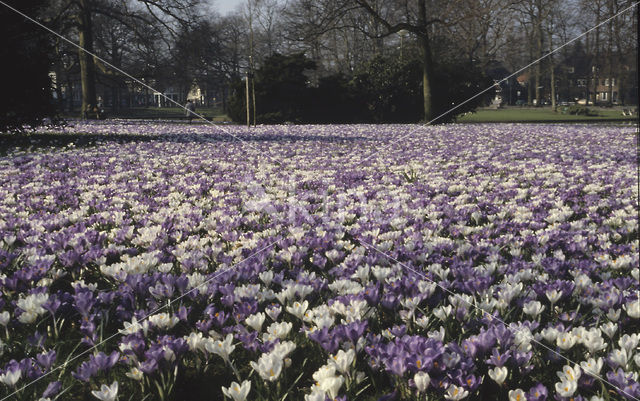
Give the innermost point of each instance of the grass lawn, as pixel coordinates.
(170, 113)
(517, 114)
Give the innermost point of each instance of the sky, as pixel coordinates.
(226, 6)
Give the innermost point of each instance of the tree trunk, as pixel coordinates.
(427, 74)
(115, 88)
(87, 67)
(427, 63)
(610, 60)
(589, 68)
(538, 67)
(596, 73)
(552, 68)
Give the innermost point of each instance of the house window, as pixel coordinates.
(613, 82)
(603, 95)
(606, 82)
(571, 70)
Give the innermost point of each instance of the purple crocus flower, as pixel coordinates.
(47, 359)
(85, 371)
(52, 389)
(396, 365)
(105, 362)
(149, 366)
(326, 339)
(83, 301)
(537, 393)
(497, 358)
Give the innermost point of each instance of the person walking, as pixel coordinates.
(191, 109)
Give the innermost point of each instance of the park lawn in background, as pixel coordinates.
(170, 113)
(546, 114)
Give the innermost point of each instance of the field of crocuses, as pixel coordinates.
(157, 261)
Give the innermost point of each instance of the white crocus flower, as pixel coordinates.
(331, 385)
(107, 393)
(298, 309)
(593, 341)
(283, 349)
(316, 395)
(223, 348)
(11, 377)
(324, 320)
(164, 320)
(277, 331)
(553, 296)
(613, 314)
(134, 327)
(422, 380)
(517, 395)
(443, 312)
(619, 357)
(565, 341)
(629, 342)
(570, 373)
(324, 371)
(533, 308)
(609, 329)
(592, 366)
(266, 277)
(566, 388)
(343, 360)
(195, 341)
(268, 366)
(499, 374)
(135, 374)
(455, 393)
(4, 318)
(255, 321)
(550, 334)
(31, 307)
(236, 391)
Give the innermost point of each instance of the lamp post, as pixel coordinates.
(402, 33)
(246, 79)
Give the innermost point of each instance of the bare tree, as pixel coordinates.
(420, 19)
(167, 14)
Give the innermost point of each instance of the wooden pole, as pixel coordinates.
(247, 96)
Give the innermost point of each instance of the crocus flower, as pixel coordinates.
(455, 393)
(236, 391)
(107, 393)
(633, 309)
(268, 366)
(255, 321)
(566, 388)
(11, 377)
(343, 360)
(537, 393)
(517, 395)
(499, 374)
(223, 348)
